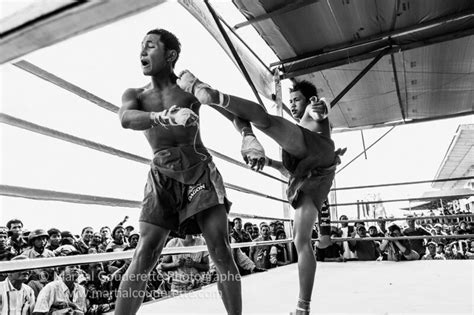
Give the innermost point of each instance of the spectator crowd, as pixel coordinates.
(93, 288)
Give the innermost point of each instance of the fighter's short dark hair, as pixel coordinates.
(306, 88)
(170, 41)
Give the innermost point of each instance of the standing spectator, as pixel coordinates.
(462, 228)
(417, 244)
(238, 235)
(133, 239)
(397, 249)
(128, 230)
(365, 250)
(82, 244)
(16, 240)
(54, 239)
(279, 252)
(332, 252)
(440, 250)
(63, 295)
(431, 252)
(261, 254)
(248, 227)
(106, 238)
(255, 232)
(346, 231)
(37, 240)
(95, 244)
(118, 240)
(6, 251)
(15, 296)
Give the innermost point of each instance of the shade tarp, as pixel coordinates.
(428, 46)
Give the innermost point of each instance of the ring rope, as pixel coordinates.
(43, 74)
(451, 216)
(6, 266)
(404, 183)
(51, 195)
(402, 199)
(9, 266)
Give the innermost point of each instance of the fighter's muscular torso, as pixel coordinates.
(154, 100)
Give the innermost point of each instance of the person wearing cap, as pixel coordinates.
(15, 229)
(431, 252)
(6, 252)
(412, 230)
(16, 298)
(37, 240)
(128, 230)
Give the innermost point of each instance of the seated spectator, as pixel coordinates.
(416, 244)
(99, 296)
(244, 263)
(279, 252)
(397, 249)
(15, 296)
(6, 251)
(431, 252)
(118, 240)
(333, 252)
(373, 232)
(365, 250)
(261, 254)
(82, 244)
(346, 231)
(63, 295)
(54, 239)
(15, 228)
(95, 245)
(462, 228)
(187, 270)
(66, 249)
(238, 235)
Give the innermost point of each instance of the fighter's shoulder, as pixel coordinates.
(134, 92)
(188, 98)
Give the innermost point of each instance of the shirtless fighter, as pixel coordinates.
(308, 156)
(184, 190)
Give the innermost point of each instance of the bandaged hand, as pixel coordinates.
(175, 116)
(318, 109)
(252, 152)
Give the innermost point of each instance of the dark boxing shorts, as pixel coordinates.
(180, 184)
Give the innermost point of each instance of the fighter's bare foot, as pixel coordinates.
(203, 92)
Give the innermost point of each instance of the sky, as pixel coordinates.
(105, 62)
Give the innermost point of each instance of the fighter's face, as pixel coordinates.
(298, 103)
(153, 55)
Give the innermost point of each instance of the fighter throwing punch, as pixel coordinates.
(308, 156)
(184, 190)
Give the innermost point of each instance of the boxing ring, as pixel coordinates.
(429, 287)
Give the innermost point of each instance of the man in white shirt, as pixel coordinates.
(62, 294)
(16, 298)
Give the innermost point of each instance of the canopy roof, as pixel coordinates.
(426, 51)
(459, 160)
(420, 53)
